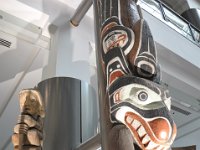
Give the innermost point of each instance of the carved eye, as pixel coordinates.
(139, 95)
(142, 96)
(118, 66)
(33, 100)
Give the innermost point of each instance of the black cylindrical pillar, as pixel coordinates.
(62, 122)
(71, 112)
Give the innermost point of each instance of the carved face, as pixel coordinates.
(31, 105)
(142, 105)
(144, 109)
(31, 102)
(116, 35)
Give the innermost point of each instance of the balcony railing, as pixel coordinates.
(172, 19)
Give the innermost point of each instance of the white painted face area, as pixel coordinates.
(149, 133)
(120, 115)
(138, 95)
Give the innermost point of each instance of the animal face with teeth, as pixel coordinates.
(143, 106)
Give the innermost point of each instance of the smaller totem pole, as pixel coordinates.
(28, 133)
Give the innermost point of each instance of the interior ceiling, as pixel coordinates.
(56, 9)
(18, 71)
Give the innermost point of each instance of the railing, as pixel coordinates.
(172, 19)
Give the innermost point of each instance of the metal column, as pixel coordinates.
(71, 114)
(62, 128)
(80, 12)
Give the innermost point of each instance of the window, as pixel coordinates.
(177, 23)
(152, 7)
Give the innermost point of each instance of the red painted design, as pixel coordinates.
(107, 27)
(120, 38)
(160, 128)
(115, 75)
(152, 129)
(117, 97)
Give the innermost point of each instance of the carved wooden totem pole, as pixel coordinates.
(137, 104)
(136, 98)
(28, 133)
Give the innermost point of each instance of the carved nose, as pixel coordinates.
(161, 129)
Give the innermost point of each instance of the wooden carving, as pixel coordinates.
(136, 98)
(28, 133)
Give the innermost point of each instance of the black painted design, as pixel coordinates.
(130, 65)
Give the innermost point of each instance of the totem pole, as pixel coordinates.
(137, 102)
(28, 133)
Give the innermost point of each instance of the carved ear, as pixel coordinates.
(167, 99)
(168, 103)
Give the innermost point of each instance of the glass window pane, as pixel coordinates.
(196, 34)
(152, 7)
(177, 23)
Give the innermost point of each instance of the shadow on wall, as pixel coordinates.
(68, 43)
(58, 11)
(69, 53)
(16, 60)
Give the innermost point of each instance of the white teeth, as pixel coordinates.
(151, 145)
(129, 119)
(159, 148)
(165, 148)
(146, 139)
(141, 131)
(136, 124)
(162, 148)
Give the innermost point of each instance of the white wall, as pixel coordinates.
(194, 3)
(172, 40)
(189, 135)
(70, 52)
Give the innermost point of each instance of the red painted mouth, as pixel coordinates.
(150, 135)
